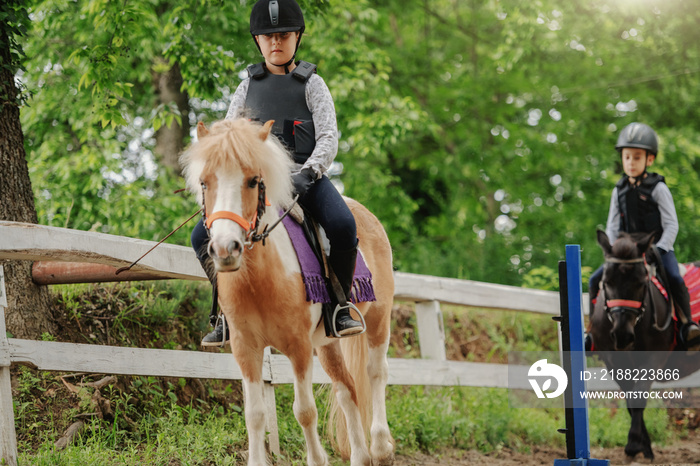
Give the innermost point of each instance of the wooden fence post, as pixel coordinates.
(431, 330)
(8, 437)
(273, 436)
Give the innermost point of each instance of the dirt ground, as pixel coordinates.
(680, 453)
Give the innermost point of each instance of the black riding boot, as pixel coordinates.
(216, 336)
(343, 325)
(690, 332)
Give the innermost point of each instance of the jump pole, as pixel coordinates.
(578, 445)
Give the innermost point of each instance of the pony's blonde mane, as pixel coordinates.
(237, 145)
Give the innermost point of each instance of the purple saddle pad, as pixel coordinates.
(314, 280)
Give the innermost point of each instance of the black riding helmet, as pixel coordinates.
(640, 136)
(271, 16)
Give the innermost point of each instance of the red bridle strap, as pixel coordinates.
(624, 303)
(245, 224)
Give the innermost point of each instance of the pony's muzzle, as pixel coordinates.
(226, 255)
(624, 343)
(622, 337)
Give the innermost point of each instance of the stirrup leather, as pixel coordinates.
(349, 306)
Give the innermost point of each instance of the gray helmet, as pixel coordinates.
(640, 136)
(270, 16)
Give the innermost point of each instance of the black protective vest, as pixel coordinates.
(639, 212)
(282, 97)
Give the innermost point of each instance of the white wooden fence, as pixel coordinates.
(23, 241)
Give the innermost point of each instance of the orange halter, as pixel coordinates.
(246, 225)
(249, 227)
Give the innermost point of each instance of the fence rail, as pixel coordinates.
(47, 245)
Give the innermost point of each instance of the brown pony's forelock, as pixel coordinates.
(236, 144)
(625, 247)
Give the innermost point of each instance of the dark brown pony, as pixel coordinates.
(632, 327)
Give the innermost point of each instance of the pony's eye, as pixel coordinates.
(253, 182)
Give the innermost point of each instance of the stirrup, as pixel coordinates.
(224, 333)
(349, 306)
(224, 324)
(692, 344)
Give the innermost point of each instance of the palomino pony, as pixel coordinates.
(632, 316)
(233, 169)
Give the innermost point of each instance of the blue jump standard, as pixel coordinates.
(578, 445)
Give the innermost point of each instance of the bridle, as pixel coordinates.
(251, 227)
(634, 307)
(621, 306)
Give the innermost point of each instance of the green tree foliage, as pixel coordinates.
(527, 99)
(481, 133)
(13, 25)
(90, 128)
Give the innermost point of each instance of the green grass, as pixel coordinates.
(609, 427)
(427, 419)
(179, 436)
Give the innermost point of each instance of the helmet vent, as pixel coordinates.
(633, 132)
(274, 12)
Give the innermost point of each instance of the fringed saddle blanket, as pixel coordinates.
(692, 281)
(314, 279)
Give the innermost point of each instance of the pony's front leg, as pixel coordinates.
(304, 406)
(638, 439)
(250, 361)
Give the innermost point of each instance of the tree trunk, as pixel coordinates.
(29, 305)
(170, 139)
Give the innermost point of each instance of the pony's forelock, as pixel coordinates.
(237, 143)
(625, 247)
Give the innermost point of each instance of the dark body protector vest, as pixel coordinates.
(282, 97)
(639, 212)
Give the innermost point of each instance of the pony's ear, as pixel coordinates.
(265, 130)
(201, 130)
(645, 241)
(604, 242)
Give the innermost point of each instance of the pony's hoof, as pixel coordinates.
(383, 446)
(639, 459)
(386, 461)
